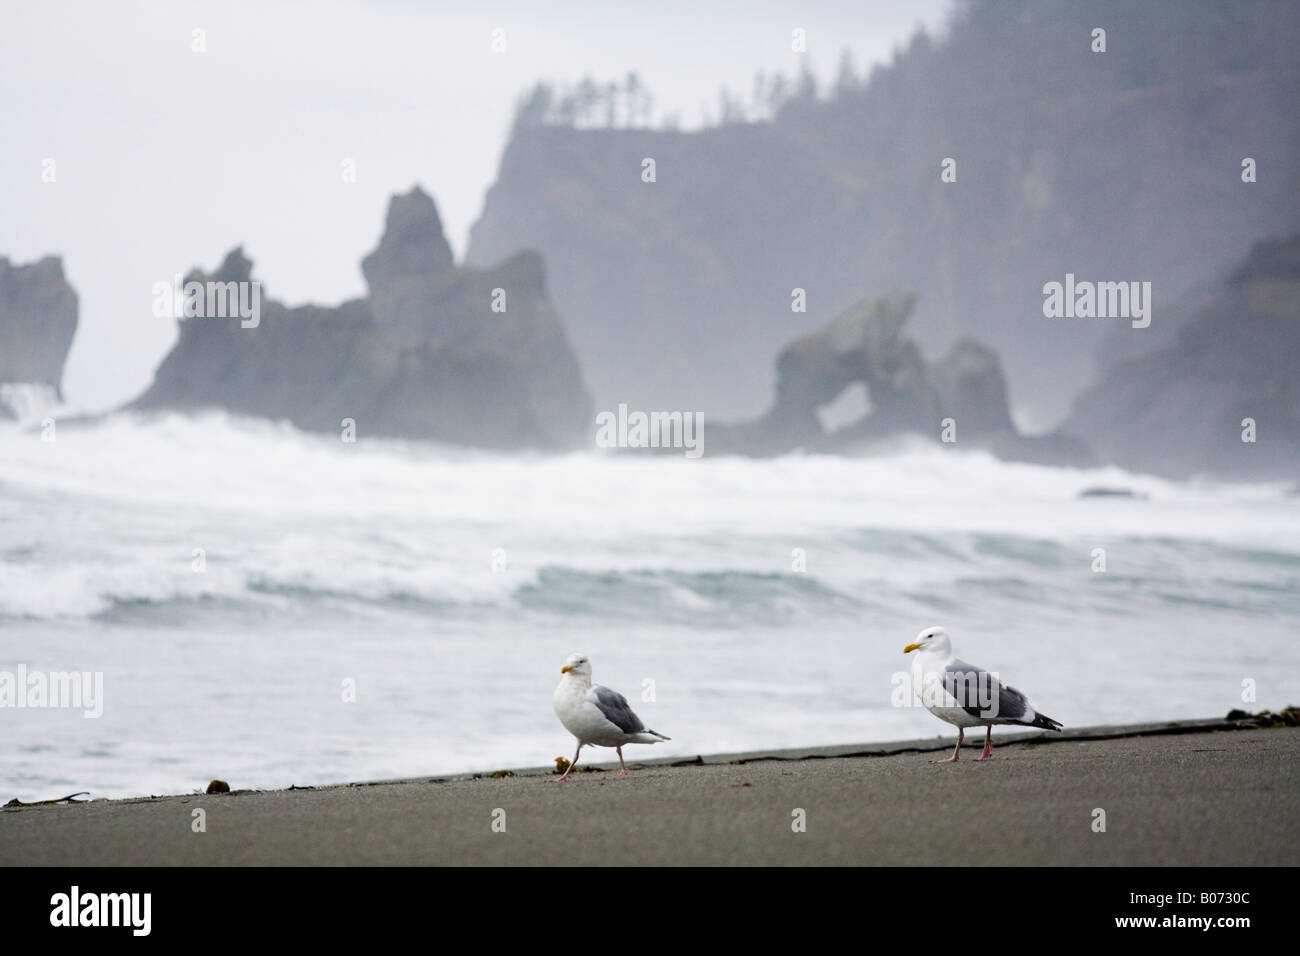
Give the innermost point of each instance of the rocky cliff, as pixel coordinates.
(469, 356)
(38, 318)
(1183, 410)
(1123, 165)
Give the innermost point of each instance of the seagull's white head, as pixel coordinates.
(931, 640)
(578, 664)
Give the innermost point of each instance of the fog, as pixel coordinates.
(166, 158)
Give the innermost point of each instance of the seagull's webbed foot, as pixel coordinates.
(961, 735)
(576, 755)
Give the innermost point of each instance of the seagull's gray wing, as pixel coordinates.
(982, 695)
(613, 706)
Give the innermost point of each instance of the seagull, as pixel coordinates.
(965, 695)
(597, 715)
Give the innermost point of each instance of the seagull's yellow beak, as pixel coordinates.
(565, 669)
(911, 647)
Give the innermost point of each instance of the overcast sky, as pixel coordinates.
(165, 158)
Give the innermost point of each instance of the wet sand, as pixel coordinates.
(1190, 793)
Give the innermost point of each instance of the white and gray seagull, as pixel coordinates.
(597, 715)
(965, 695)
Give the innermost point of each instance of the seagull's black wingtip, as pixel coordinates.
(1047, 723)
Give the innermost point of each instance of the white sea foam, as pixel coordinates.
(378, 561)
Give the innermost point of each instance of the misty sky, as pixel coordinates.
(166, 158)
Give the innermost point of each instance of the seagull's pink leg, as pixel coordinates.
(571, 766)
(622, 773)
(961, 735)
(988, 745)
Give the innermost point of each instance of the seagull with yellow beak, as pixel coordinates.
(597, 715)
(964, 695)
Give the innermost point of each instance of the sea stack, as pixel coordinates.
(38, 319)
(465, 356)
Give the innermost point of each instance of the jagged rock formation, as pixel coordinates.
(865, 345)
(411, 257)
(1123, 165)
(1179, 411)
(38, 318)
(423, 356)
(969, 378)
(861, 345)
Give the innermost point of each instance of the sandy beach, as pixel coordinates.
(1189, 793)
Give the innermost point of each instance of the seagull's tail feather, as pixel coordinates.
(1042, 720)
(649, 736)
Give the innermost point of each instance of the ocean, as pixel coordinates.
(276, 608)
